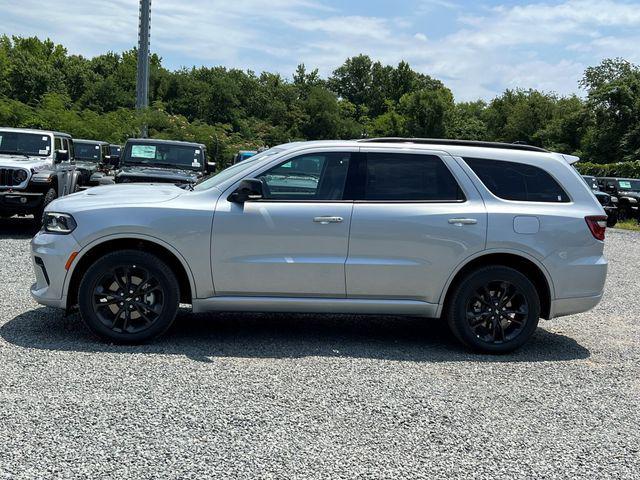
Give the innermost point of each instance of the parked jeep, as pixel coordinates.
(608, 202)
(116, 152)
(36, 167)
(163, 161)
(93, 161)
(627, 190)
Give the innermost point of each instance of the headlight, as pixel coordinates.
(614, 199)
(62, 223)
(19, 176)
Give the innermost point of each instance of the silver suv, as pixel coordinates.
(490, 237)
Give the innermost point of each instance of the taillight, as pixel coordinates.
(598, 225)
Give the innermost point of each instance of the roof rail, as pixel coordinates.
(462, 143)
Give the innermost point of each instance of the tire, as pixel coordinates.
(49, 197)
(112, 312)
(623, 214)
(485, 321)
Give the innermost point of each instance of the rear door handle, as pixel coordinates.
(327, 220)
(462, 221)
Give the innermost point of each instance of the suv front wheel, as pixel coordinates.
(128, 296)
(494, 309)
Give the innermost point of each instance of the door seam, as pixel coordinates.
(346, 259)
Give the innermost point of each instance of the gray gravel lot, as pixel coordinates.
(302, 396)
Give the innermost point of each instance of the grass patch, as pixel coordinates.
(629, 225)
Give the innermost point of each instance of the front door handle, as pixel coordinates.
(462, 221)
(327, 220)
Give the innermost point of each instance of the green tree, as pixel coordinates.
(426, 112)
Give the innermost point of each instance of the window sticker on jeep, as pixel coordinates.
(195, 163)
(97, 147)
(197, 152)
(624, 184)
(143, 151)
(45, 138)
(43, 152)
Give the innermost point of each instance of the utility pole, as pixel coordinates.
(142, 82)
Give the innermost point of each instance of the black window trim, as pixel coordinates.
(365, 157)
(536, 202)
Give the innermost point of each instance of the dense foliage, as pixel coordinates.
(42, 86)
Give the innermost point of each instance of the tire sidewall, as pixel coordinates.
(123, 258)
(49, 197)
(457, 313)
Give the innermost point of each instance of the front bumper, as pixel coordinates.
(17, 201)
(49, 255)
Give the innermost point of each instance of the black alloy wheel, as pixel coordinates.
(497, 312)
(128, 296)
(128, 299)
(494, 309)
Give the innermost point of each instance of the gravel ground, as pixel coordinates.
(302, 396)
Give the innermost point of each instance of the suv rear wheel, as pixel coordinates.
(128, 296)
(494, 310)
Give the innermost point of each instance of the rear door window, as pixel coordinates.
(517, 181)
(409, 177)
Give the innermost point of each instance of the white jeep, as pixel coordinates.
(36, 167)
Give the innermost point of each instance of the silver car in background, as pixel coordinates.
(488, 236)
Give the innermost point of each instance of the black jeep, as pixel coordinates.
(93, 161)
(608, 202)
(627, 190)
(116, 153)
(163, 161)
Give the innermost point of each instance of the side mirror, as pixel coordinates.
(249, 189)
(210, 167)
(61, 156)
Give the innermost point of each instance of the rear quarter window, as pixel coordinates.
(517, 181)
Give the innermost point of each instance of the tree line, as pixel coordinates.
(43, 86)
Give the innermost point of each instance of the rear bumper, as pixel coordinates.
(570, 306)
(16, 201)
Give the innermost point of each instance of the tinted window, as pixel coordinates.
(517, 181)
(406, 177)
(320, 176)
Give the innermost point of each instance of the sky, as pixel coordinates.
(477, 48)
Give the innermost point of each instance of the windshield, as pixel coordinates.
(163, 154)
(592, 182)
(25, 143)
(229, 172)
(87, 151)
(629, 185)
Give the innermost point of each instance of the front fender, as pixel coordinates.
(134, 236)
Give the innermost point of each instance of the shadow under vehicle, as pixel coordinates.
(163, 161)
(627, 190)
(608, 202)
(94, 162)
(36, 167)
